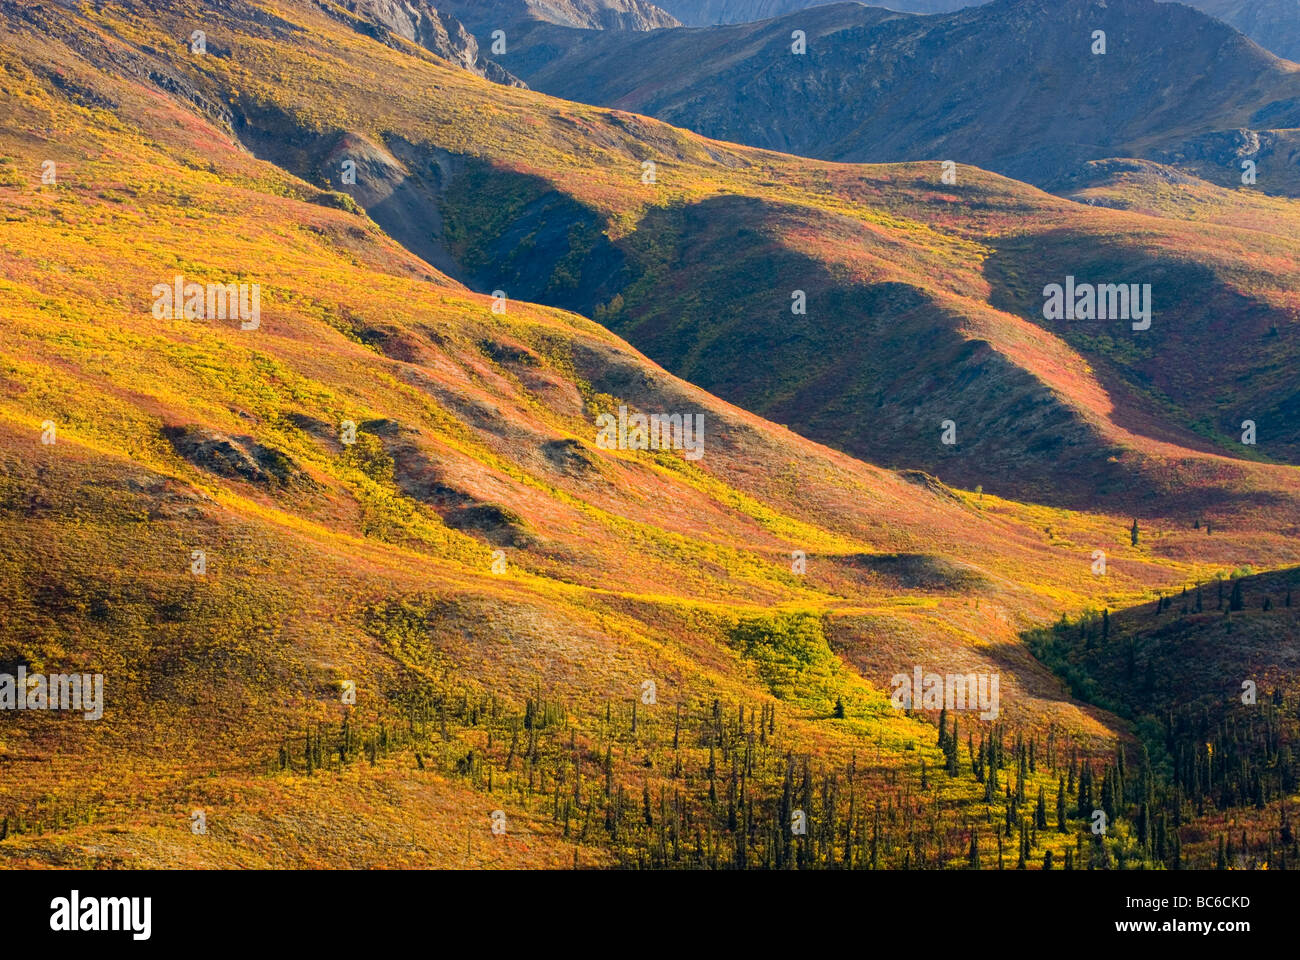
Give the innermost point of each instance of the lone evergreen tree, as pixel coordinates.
(1060, 805)
(1133, 533)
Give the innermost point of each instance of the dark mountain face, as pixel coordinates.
(1013, 86)
(484, 16)
(707, 13)
(1273, 24)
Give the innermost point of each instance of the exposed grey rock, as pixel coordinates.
(419, 22)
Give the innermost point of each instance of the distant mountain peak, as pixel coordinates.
(487, 15)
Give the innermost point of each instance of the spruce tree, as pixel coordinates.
(1060, 805)
(951, 749)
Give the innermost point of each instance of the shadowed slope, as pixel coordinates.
(1012, 86)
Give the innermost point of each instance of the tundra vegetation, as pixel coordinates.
(361, 577)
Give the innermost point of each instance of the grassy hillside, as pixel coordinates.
(495, 588)
(507, 190)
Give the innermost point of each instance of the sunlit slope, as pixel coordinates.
(1143, 186)
(548, 201)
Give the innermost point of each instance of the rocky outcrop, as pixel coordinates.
(440, 33)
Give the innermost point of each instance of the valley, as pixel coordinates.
(432, 591)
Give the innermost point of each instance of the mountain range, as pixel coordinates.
(1273, 24)
(1012, 86)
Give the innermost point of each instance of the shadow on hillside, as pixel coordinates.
(873, 369)
(1168, 655)
(517, 232)
(1166, 383)
(487, 226)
